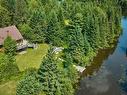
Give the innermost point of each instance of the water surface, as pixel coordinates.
(101, 78)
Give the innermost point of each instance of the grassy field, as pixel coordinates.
(32, 58)
(8, 88)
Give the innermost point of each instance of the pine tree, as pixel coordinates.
(4, 17)
(54, 31)
(76, 44)
(20, 11)
(10, 6)
(29, 85)
(10, 46)
(8, 61)
(48, 74)
(37, 24)
(87, 47)
(52, 79)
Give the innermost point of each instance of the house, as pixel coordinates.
(14, 33)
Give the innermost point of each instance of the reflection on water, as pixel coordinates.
(101, 83)
(106, 70)
(97, 62)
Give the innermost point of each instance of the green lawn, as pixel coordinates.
(32, 58)
(8, 88)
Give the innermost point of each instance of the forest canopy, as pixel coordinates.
(81, 27)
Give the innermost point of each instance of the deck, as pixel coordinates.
(22, 45)
(79, 68)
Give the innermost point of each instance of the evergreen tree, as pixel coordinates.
(26, 31)
(76, 44)
(48, 74)
(87, 47)
(37, 23)
(20, 11)
(10, 46)
(52, 79)
(29, 85)
(53, 33)
(4, 17)
(8, 60)
(10, 6)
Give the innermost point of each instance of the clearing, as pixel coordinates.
(32, 58)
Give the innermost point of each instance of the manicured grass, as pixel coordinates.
(33, 57)
(8, 88)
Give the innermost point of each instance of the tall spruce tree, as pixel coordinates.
(48, 74)
(29, 85)
(52, 79)
(10, 46)
(10, 6)
(4, 17)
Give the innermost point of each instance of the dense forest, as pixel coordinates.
(81, 27)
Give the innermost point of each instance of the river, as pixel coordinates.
(101, 78)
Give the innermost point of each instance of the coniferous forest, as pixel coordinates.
(81, 27)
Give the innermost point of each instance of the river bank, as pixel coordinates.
(101, 78)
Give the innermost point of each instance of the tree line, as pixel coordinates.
(81, 26)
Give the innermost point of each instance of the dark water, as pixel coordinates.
(102, 77)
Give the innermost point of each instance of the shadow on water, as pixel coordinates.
(97, 62)
(101, 78)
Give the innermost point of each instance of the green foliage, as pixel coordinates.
(53, 80)
(54, 31)
(76, 45)
(10, 46)
(123, 4)
(36, 22)
(20, 14)
(9, 5)
(26, 31)
(10, 51)
(72, 74)
(7, 64)
(48, 74)
(82, 26)
(43, 20)
(69, 68)
(68, 60)
(4, 16)
(29, 85)
(7, 61)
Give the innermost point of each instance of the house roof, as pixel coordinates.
(11, 31)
